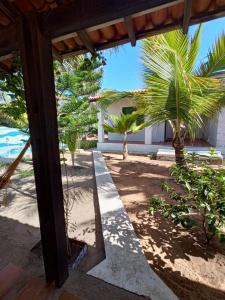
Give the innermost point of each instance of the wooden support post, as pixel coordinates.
(36, 54)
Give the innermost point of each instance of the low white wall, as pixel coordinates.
(145, 149)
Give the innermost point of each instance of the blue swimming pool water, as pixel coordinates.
(12, 141)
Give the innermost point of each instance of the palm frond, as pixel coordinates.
(174, 93)
(125, 123)
(215, 62)
(194, 47)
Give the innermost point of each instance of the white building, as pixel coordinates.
(156, 137)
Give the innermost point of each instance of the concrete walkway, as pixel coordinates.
(125, 265)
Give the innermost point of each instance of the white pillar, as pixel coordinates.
(148, 135)
(100, 128)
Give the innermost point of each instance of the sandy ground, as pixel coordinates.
(19, 230)
(178, 256)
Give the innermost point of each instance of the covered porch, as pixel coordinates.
(38, 31)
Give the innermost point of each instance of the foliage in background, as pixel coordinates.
(8, 121)
(12, 85)
(125, 125)
(202, 202)
(88, 144)
(76, 81)
(177, 90)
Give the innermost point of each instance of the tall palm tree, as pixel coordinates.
(177, 89)
(125, 124)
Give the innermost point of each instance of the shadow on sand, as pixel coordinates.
(175, 243)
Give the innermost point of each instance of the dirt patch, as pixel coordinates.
(84, 215)
(19, 231)
(178, 256)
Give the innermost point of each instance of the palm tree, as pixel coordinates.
(125, 124)
(178, 90)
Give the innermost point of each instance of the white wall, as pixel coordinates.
(158, 133)
(213, 133)
(221, 129)
(210, 134)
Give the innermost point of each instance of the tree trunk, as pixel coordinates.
(125, 148)
(73, 158)
(178, 144)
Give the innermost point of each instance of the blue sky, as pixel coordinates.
(124, 70)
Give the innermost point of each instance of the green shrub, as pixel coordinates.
(203, 195)
(88, 144)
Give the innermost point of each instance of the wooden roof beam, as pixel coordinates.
(82, 14)
(8, 40)
(187, 15)
(85, 39)
(140, 35)
(9, 10)
(130, 29)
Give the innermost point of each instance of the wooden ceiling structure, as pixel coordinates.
(116, 22)
(39, 30)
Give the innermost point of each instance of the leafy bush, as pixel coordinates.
(88, 144)
(202, 202)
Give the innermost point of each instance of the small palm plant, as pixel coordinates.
(125, 124)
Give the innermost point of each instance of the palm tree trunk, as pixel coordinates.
(125, 148)
(178, 145)
(73, 158)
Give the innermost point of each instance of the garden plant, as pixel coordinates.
(201, 202)
(125, 125)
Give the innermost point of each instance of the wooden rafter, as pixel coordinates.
(65, 20)
(139, 36)
(130, 29)
(56, 55)
(9, 10)
(187, 15)
(12, 13)
(208, 16)
(85, 39)
(8, 40)
(82, 14)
